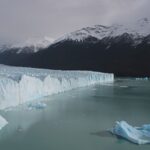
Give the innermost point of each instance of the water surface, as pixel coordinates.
(78, 119)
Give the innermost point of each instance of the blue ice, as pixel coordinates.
(137, 135)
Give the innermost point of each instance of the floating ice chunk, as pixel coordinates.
(146, 78)
(38, 105)
(137, 135)
(3, 122)
(124, 86)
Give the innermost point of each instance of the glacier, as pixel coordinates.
(19, 84)
(137, 135)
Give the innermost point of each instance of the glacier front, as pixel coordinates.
(137, 135)
(19, 85)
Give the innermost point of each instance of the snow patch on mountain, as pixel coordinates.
(34, 43)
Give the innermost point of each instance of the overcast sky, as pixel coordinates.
(22, 19)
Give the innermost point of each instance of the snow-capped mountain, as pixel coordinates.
(120, 49)
(31, 45)
(137, 30)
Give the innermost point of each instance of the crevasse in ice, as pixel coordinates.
(137, 135)
(19, 85)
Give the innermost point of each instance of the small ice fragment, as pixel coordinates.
(137, 135)
(38, 105)
(146, 78)
(124, 86)
(3, 122)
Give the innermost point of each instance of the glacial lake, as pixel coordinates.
(78, 119)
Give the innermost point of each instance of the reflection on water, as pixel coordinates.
(19, 120)
(103, 134)
(79, 119)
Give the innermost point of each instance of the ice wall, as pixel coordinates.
(19, 85)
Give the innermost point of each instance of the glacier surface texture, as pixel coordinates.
(19, 85)
(137, 135)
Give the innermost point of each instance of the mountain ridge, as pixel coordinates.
(119, 52)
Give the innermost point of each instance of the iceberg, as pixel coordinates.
(19, 84)
(136, 135)
(3, 122)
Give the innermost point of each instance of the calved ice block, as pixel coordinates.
(3, 122)
(137, 135)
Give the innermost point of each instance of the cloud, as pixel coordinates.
(21, 19)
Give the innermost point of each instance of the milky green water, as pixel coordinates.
(77, 120)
